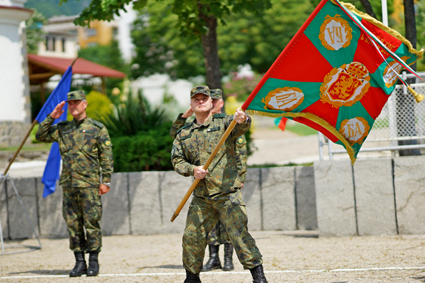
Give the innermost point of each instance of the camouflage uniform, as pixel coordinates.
(218, 234)
(85, 148)
(218, 195)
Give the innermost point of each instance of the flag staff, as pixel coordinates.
(205, 167)
(26, 136)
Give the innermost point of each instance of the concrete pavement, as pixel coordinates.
(289, 256)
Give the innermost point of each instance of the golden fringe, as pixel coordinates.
(315, 119)
(385, 28)
(418, 97)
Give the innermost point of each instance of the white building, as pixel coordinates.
(15, 105)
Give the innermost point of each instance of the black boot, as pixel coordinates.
(192, 278)
(214, 261)
(80, 267)
(258, 275)
(228, 257)
(93, 269)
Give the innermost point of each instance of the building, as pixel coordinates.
(15, 106)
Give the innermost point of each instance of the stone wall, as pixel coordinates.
(373, 197)
(12, 133)
(142, 203)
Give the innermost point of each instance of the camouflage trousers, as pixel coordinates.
(218, 235)
(82, 209)
(203, 216)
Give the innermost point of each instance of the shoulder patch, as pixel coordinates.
(219, 115)
(240, 140)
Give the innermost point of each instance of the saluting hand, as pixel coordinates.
(57, 112)
(188, 113)
(240, 116)
(199, 172)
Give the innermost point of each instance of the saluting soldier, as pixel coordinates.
(218, 195)
(87, 166)
(218, 234)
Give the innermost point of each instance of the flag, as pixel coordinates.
(281, 122)
(335, 75)
(52, 169)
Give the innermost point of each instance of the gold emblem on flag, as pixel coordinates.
(283, 99)
(335, 33)
(345, 85)
(390, 73)
(355, 130)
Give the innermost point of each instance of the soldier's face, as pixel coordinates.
(217, 104)
(77, 107)
(201, 103)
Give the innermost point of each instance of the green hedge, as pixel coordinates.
(146, 151)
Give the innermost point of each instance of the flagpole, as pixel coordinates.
(26, 136)
(19, 148)
(205, 167)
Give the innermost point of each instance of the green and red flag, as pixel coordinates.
(335, 75)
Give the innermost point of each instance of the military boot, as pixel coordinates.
(192, 278)
(258, 275)
(93, 269)
(80, 267)
(214, 261)
(228, 257)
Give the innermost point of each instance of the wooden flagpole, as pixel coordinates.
(205, 167)
(26, 136)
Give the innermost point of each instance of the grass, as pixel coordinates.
(299, 129)
(35, 146)
(266, 165)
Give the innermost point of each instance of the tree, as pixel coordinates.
(109, 56)
(196, 18)
(34, 31)
(245, 38)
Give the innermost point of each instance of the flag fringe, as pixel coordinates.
(418, 97)
(392, 32)
(315, 119)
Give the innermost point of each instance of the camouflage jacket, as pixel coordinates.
(242, 157)
(178, 124)
(193, 146)
(85, 147)
(241, 151)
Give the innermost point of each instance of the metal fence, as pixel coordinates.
(401, 119)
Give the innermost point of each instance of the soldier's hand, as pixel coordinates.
(188, 113)
(240, 116)
(57, 112)
(103, 189)
(199, 172)
(242, 185)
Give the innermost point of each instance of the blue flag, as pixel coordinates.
(52, 169)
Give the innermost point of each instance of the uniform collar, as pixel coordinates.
(79, 122)
(205, 124)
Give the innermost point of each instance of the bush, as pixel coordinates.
(146, 151)
(140, 136)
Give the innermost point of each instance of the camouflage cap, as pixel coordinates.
(216, 93)
(76, 95)
(200, 89)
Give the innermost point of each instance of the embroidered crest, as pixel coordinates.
(391, 71)
(355, 130)
(345, 85)
(283, 99)
(335, 33)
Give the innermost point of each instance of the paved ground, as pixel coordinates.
(293, 256)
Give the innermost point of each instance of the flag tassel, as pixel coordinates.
(418, 97)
